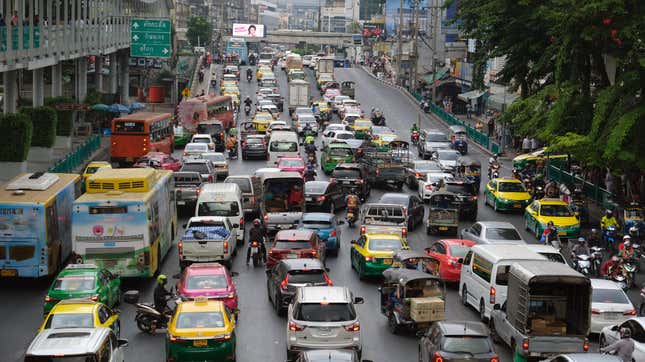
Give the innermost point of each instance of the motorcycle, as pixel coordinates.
(148, 319)
(631, 267)
(414, 137)
(249, 77)
(493, 170)
(609, 236)
(596, 255)
(255, 253)
(621, 277)
(350, 217)
(247, 109)
(232, 153)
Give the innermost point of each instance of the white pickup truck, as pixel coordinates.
(207, 239)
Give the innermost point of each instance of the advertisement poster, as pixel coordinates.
(20, 222)
(392, 18)
(371, 30)
(248, 30)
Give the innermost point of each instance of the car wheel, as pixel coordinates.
(391, 324)
(495, 206)
(464, 296)
(482, 311)
(276, 306)
(536, 231)
(603, 341)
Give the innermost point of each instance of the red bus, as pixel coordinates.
(221, 108)
(136, 134)
(211, 107)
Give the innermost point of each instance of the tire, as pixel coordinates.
(144, 324)
(536, 231)
(278, 309)
(603, 342)
(428, 230)
(464, 296)
(495, 206)
(392, 325)
(482, 311)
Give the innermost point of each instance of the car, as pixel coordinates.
(329, 355)
(540, 212)
(303, 120)
(353, 177)
(418, 169)
(219, 162)
(333, 127)
(95, 166)
(323, 317)
(585, 357)
(609, 305)
(211, 280)
(466, 195)
(448, 252)
(76, 344)
(306, 60)
(83, 281)
(232, 69)
(447, 159)
(216, 130)
(255, 146)
(158, 160)
(548, 251)
(336, 136)
(636, 325)
(324, 196)
(335, 153)
(81, 313)
(203, 329)
(290, 274)
(382, 140)
(294, 244)
(433, 182)
(337, 103)
(269, 108)
(327, 228)
(277, 125)
(302, 111)
(452, 340)
(261, 121)
(193, 150)
(506, 194)
(431, 141)
(492, 232)
(204, 167)
(294, 164)
(330, 95)
(371, 254)
(362, 128)
(412, 203)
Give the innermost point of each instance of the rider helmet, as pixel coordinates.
(581, 240)
(162, 279)
(232, 131)
(594, 231)
(256, 222)
(549, 224)
(633, 231)
(609, 213)
(627, 238)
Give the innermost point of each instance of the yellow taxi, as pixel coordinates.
(95, 166)
(322, 106)
(262, 71)
(231, 90)
(506, 194)
(371, 254)
(201, 330)
(362, 128)
(226, 84)
(261, 121)
(538, 214)
(384, 139)
(81, 313)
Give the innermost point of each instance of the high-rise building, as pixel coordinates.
(267, 14)
(368, 8)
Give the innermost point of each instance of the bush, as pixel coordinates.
(15, 137)
(65, 124)
(43, 120)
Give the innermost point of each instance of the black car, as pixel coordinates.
(466, 194)
(286, 276)
(353, 177)
(325, 196)
(457, 341)
(413, 203)
(255, 146)
(418, 170)
(216, 130)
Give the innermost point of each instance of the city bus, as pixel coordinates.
(193, 111)
(237, 46)
(136, 134)
(126, 221)
(36, 222)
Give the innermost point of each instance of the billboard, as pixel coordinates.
(248, 30)
(372, 30)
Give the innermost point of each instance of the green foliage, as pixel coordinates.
(200, 31)
(93, 96)
(354, 27)
(65, 124)
(15, 137)
(43, 120)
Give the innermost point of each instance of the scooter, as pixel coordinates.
(622, 278)
(350, 217)
(596, 255)
(631, 267)
(583, 264)
(493, 170)
(148, 319)
(249, 77)
(414, 137)
(256, 257)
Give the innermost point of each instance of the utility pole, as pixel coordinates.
(414, 56)
(435, 37)
(399, 46)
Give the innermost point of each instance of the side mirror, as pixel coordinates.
(358, 300)
(460, 260)
(352, 241)
(123, 343)
(420, 334)
(497, 307)
(327, 269)
(236, 225)
(234, 274)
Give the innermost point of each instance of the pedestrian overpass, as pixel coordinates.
(298, 36)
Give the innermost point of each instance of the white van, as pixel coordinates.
(484, 274)
(283, 144)
(78, 344)
(223, 199)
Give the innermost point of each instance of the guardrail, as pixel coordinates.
(595, 193)
(78, 156)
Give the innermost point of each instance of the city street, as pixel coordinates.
(260, 332)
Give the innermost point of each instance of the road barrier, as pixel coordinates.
(78, 156)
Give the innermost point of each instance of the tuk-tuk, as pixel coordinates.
(521, 161)
(634, 216)
(459, 139)
(348, 88)
(415, 260)
(411, 299)
(444, 213)
(470, 169)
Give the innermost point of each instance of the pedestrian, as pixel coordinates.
(609, 181)
(14, 19)
(534, 144)
(469, 110)
(526, 145)
(491, 126)
(2, 22)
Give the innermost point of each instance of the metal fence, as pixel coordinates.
(78, 156)
(477, 137)
(595, 193)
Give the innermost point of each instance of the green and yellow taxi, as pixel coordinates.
(506, 194)
(322, 106)
(371, 254)
(382, 140)
(521, 161)
(95, 166)
(231, 90)
(201, 330)
(262, 70)
(334, 154)
(83, 281)
(81, 313)
(538, 214)
(362, 128)
(261, 121)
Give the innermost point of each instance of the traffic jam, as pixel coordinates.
(234, 216)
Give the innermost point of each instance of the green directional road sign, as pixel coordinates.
(150, 38)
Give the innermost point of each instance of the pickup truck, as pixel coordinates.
(384, 219)
(278, 212)
(547, 311)
(207, 239)
(187, 186)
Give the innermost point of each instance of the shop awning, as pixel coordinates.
(501, 101)
(474, 94)
(430, 78)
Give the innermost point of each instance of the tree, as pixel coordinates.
(200, 31)
(354, 27)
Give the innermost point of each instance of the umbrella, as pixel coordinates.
(137, 106)
(118, 108)
(100, 107)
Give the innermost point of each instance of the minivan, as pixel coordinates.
(484, 274)
(251, 187)
(81, 344)
(223, 199)
(283, 144)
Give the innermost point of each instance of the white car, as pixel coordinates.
(219, 162)
(194, 150)
(323, 318)
(636, 325)
(275, 124)
(305, 119)
(338, 102)
(433, 182)
(448, 159)
(306, 60)
(314, 61)
(336, 127)
(205, 139)
(609, 305)
(334, 136)
(270, 107)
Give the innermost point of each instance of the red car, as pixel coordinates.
(295, 164)
(210, 280)
(448, 251)
(295, 244)
(158, 160)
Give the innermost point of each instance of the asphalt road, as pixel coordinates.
(260, 332)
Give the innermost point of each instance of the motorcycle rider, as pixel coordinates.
(549, 234)
(609, 266)
(627, 252)
(161, 295)
(248, 101)
(257, 233)
(249, 73)
(624, 347)
(310, 173)
(608, 220)
(594, 238)
(352, 201)
(581, 248)
(493, 163)
(231, 143)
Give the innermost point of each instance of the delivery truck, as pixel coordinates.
(298, 94)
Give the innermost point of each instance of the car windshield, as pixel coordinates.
(220, 208)
(389, 137)
(346, 173)
(307, 276)
(556, 210)
(612, 296)
(244, 184)
(466, 344)
(461, 189)
(555, 257)
(502, 234)
(459, 250)
(365, 124)
(196, 148)
(186, 320)
(291, 163)
(511, 187)
(340, 152)
(317, 187)
(195, 167)
(213, 281)
(75, 283)
(317, 224)
(70, 320)
(344, 136)
(385, 244)
(284, 146)
(448, 156)
(436, 137)
(426, 166)
(324, 312)
(92, 169)
(201, 140)
(254, 141)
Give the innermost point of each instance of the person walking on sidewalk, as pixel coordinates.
(469, 110)
(491, 126)
(526, 145)
(534, 144)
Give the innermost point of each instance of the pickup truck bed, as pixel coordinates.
(206, 244)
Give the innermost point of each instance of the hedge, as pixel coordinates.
(43, 120)
(65, 124)
(15, 137)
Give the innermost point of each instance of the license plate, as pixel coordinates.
(517, 206)
(346, 182)
(611, 316)
(8, 273)
(387, 261)
(309, 198)
(292, 256)
(181, 202)
(443, 228)
(200, 343)
(254, 250)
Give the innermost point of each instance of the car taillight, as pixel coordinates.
(266, 216)
(585, 346)
(494, 359)
(321, 198)
(226, 247)
(492, 295)
(359, 181)
(49, 299)
(333, 233)
(172, 338)
(362, 230)
(242, 222)
(474, 197)
(180, 247)
(437, 357)
(185, 154)
(197, 191)
(630, 312)
(404, 232)
(95, 297)
(295, 327)
(416, 174)
(224, 337)
(525, 344)
(327, 280)
(353, 327)
(284, 282)
(378, 172)
(210, 178)
(332, 179)
(595, 311)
